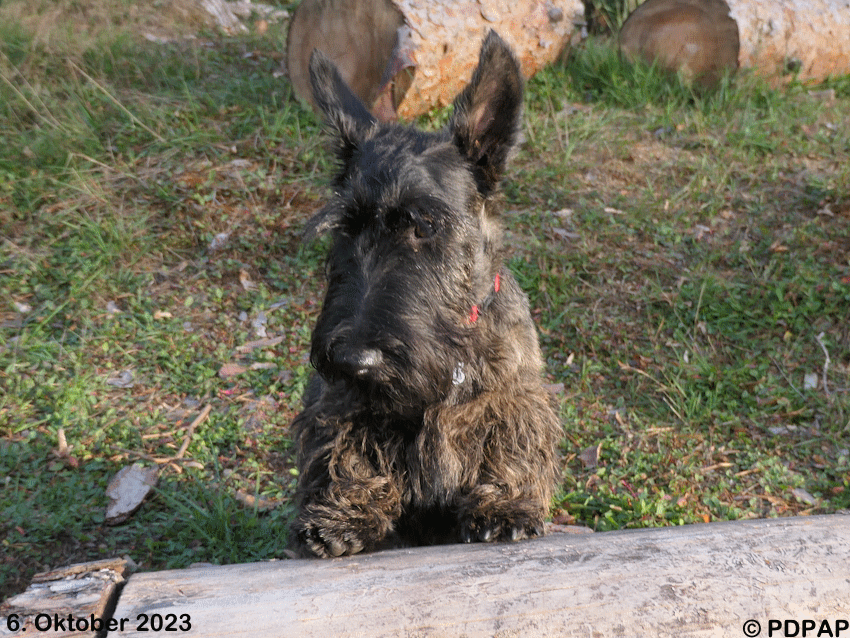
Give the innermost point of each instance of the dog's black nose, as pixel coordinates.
(357, 362)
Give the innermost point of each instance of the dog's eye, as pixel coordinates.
(423, 228)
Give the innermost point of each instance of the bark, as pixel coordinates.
(783, 38)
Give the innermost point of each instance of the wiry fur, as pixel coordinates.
(423, 424)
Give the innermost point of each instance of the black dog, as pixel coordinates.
(428, 421)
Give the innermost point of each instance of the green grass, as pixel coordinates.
(688, 267)
(608, 16)
(686, 258)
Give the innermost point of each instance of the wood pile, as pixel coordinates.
(406, 57)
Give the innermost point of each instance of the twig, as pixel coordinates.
(159, 460)
(819, 339)
(177, 458)
(191, 431)
(108, 167)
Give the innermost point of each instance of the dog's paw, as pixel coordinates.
(486, 529)
(329, 542)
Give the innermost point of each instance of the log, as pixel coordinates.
(83, 591)
(806, 39)
(405, 57)
(696, 580)
(777, 39)
(695, 37)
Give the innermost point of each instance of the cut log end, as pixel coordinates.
(698, 39)
(362, 38)
(777, 40)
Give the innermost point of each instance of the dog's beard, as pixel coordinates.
(403, 396)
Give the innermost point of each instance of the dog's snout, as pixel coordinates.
(357, 362)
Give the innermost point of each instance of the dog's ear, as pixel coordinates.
(487, 114)
(342, 109)
(324, 220)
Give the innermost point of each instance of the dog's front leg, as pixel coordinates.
(350, 499)
(507, 441)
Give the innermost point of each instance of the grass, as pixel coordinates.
(607, 16)
(686, 257)
(692, 278)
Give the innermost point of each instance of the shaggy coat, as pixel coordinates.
(427, 421)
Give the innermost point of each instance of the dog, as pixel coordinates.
(428, 421)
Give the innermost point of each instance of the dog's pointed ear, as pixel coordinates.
(342, 109)
(487, 114)
(326, 219)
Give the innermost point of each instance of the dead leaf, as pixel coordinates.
(218, 242)
(592, 482)
(555, 389)
(589, 456)
(231, 370)
(258, 343)
(701, 231)
(563, 518)
(123, 379)
(260, 503)
(565, 234)
(126, 491)
(62, 448)
(825, 97)
(245, 280)
(259, 325)
(554, 528)
(803, 496)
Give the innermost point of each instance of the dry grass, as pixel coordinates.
(71, 28)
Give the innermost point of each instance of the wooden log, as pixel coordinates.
(697, 580)
(695, 37)
(66, 601)
(405, 57)
(777, 39)
(361, 38)
(807, 39)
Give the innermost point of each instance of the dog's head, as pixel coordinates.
(416, 250)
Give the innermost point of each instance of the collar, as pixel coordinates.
(477, 309)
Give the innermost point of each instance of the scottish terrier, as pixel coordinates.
(428, 421)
